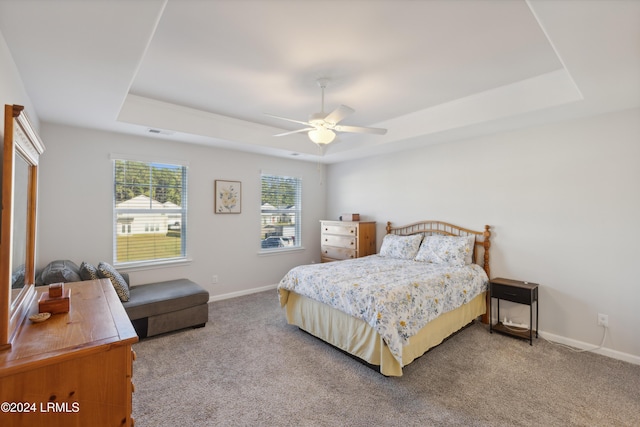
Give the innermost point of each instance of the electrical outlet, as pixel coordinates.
(214, 279)
(603, 320)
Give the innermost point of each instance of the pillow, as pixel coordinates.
(59, 271)
(107, 271)
(88, 271)
(472, 244)
(400, 247)
(17, 277)
(449, 250)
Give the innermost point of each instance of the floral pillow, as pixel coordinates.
(400, 247)
(472, 244)
(449, 250)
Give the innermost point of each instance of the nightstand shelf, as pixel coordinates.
(518, 292)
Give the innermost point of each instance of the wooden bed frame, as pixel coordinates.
(357, 338)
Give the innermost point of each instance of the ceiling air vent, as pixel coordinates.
(160, 131)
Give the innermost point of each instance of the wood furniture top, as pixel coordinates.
(515, 283)
(96, 320)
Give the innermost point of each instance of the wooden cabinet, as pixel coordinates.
(74, 369)
(347, 239)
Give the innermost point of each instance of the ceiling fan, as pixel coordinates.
(321, 126)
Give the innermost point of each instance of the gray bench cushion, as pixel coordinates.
(163, 297)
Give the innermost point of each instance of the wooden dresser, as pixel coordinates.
(73, 369)
(347, 239)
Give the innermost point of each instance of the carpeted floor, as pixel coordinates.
(247, 367)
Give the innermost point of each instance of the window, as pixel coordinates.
(150, 212)
(281, 212)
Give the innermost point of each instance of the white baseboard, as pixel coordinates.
(626, 357)
(241, 293)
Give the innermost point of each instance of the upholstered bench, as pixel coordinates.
(156, 308)
(153, 308)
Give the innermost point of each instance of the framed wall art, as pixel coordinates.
(228, 197)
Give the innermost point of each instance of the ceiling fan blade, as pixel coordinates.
(294, 131)
(289, 120)
(338, 114)
(359, 129)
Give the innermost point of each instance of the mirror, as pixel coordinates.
(20, 155)
(19, 227)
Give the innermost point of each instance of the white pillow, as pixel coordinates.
(400, 247)
(472, 245)
(449, 250)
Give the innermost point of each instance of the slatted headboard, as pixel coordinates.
(427, 228)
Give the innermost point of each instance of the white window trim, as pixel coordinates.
(280, 251)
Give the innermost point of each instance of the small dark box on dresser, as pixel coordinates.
(55, 290)
(47, 304)
(350, 217)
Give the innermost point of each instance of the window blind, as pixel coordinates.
(281, 212)
(150, 212)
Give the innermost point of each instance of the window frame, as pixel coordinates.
(182, 210)
(297, 211)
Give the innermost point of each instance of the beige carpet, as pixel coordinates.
(247, 367)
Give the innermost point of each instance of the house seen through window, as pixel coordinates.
(281, 210)
(150, 212)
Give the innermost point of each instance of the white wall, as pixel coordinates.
(75, 207)
(11, 87)
(563, 202)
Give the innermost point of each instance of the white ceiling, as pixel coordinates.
(429, 71)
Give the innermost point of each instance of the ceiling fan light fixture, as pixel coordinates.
(322, 135)
(321, 126)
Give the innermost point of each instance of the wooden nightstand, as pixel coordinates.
(514, 291)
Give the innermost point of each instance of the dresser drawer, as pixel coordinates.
(343, 230)
(338, 253)
(339, 241)
(511, 293)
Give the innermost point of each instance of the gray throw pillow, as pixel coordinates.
(59, 271)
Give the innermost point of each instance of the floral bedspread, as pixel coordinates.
(396, 297)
